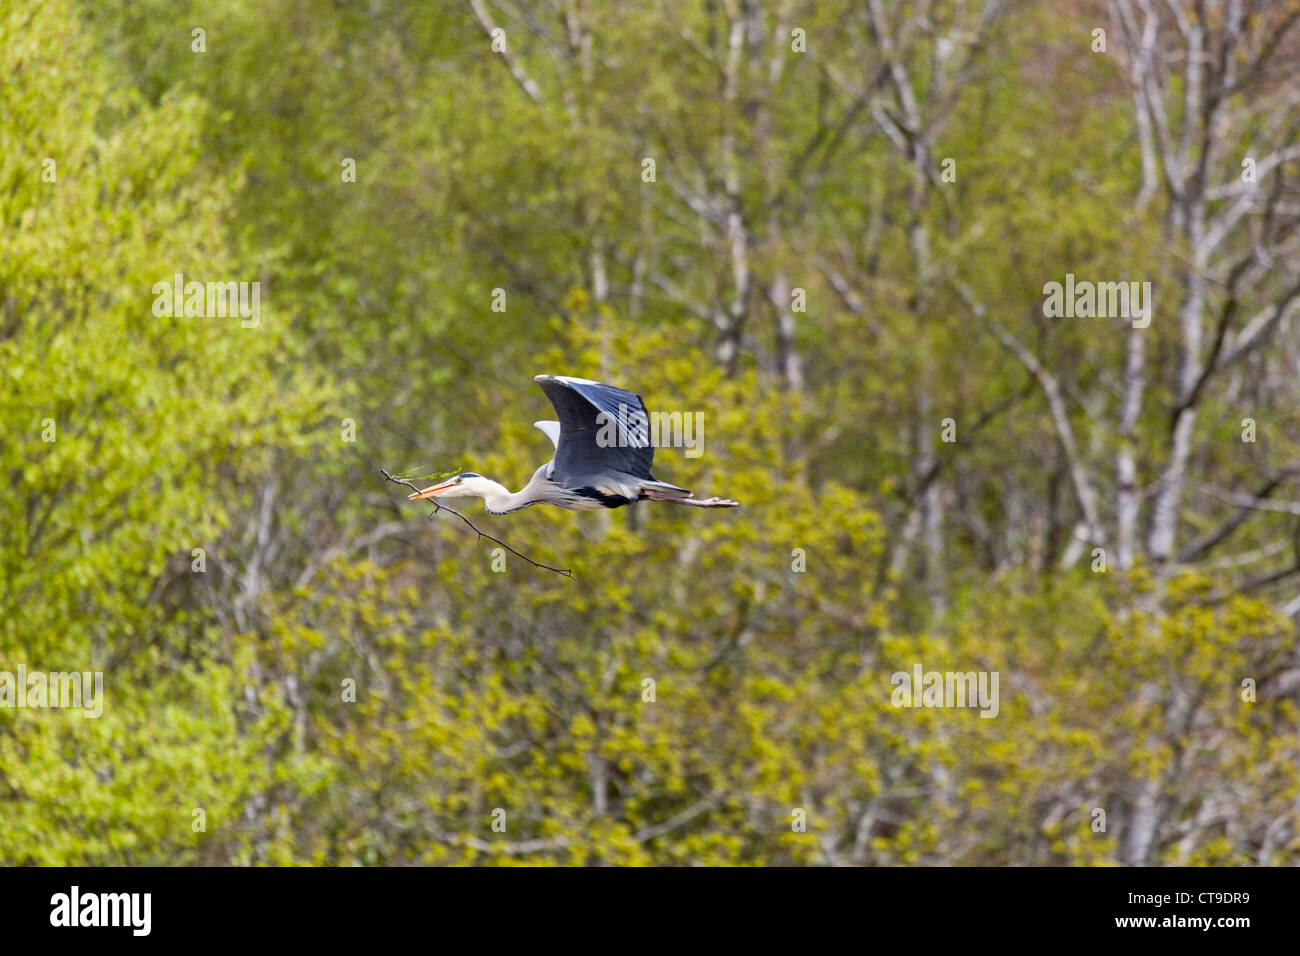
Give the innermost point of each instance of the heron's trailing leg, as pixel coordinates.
(678, 499)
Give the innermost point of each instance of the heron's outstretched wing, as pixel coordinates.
(578, 455)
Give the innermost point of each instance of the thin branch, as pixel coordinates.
(1080, 481)
(1257, 330)
(482, 534)
(672, 823)
(525, 81)
(1247, 501)
(1203, 544)
(543, 845)
(503, 846)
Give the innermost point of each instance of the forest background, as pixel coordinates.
(824, 227)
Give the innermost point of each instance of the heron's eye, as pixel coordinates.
(459, 480)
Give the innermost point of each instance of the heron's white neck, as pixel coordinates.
(497, 497)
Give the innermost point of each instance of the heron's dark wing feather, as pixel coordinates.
(580, 405)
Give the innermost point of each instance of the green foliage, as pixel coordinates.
(339, 678)
(120, 432)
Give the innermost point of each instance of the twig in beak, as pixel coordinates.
(482, 534)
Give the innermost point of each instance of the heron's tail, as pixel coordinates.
(663, 491)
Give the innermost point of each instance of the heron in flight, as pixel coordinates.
(589, 469)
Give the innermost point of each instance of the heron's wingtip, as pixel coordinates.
(539, 379)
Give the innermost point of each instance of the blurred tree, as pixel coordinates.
(827, 228)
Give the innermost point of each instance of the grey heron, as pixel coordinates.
(602, 457)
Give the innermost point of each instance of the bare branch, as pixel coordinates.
(1247, 501)
(526, 83)
(482, 534)
(1203, 544)
(1084, 491)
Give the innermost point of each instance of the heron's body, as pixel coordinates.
(500, 500)
(602, 457)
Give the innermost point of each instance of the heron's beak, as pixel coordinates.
(430, 492)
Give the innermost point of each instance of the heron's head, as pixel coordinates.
(464, 485)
